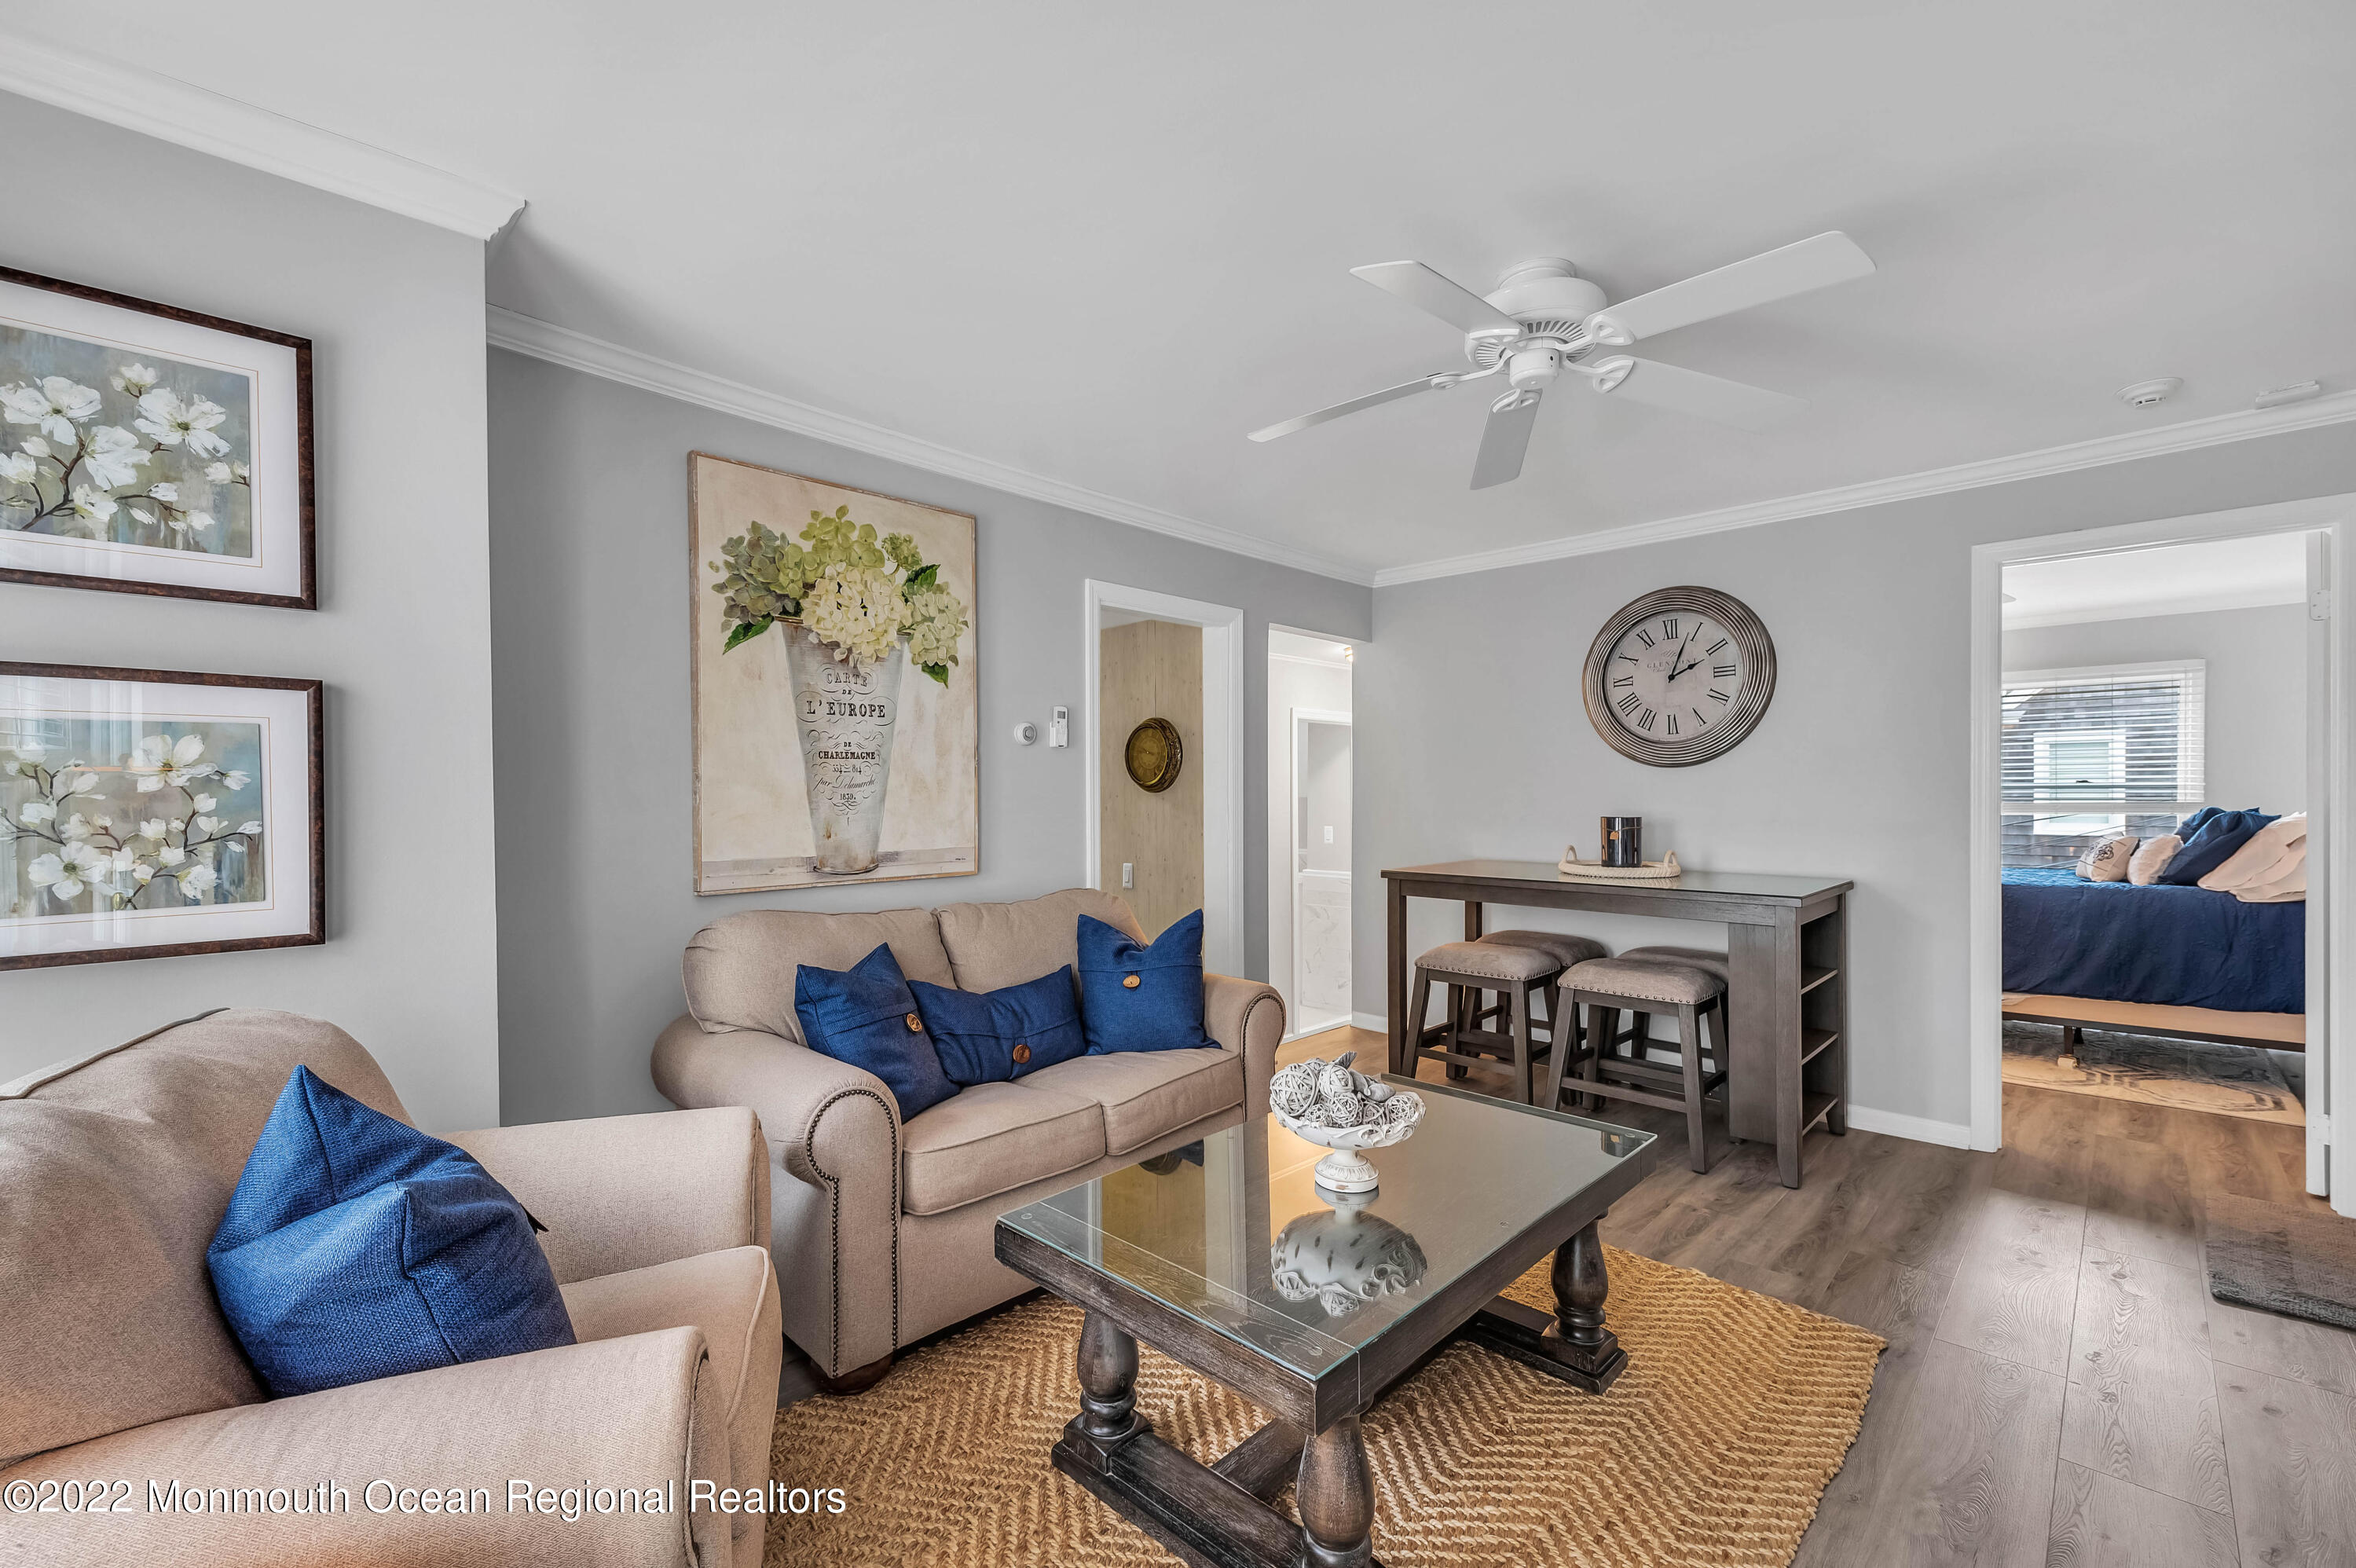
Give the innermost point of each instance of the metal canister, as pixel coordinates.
(1623, 840)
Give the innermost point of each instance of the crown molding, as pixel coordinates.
(174, 111)
(2188, 435)
(594, 356)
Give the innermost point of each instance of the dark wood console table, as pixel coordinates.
(1787, 998)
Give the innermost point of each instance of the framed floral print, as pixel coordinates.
(152, 450)
(145, 813)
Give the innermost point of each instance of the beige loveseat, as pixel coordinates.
(882, 1229)
(116, 1364)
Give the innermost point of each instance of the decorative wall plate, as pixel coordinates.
(1679, 676)
(1154, 755)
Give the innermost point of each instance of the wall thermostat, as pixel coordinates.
(1059, 728)
(1025, 734)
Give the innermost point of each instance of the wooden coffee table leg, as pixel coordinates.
(1107, 1368)
(1572, 1344)
(1336, 1494)
(1580, 1286)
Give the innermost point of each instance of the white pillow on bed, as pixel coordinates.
(2270, 855)
(2107, 861)
(2151, 858)
(2286, 884)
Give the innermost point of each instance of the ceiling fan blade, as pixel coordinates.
(1829, 258)
(1372, 399)
(1681, 390)
(1504, 440)
(1427, 290)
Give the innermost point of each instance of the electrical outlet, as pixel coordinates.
(1128, 874)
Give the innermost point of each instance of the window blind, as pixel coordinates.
(2092, 751)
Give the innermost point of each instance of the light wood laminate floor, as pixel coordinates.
(2060, 1388)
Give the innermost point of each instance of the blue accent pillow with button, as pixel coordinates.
(2211, 845)
(1137, 996)
(866, 1016)
(994, 1036)
(356, 1247)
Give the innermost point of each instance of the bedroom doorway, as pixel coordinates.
(2158, 767)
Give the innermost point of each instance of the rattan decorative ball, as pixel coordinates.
(1294, 1091)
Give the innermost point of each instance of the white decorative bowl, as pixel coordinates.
(1346, 1169)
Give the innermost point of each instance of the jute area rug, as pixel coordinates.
(1710, 1452)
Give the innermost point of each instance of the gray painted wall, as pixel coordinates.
(589, 631)
(2256, 747)
(394, 310)
(1469, 712)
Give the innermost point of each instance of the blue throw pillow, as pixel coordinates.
(2212, 846)
(356, 1247)
(1139, 998)
(2197, 820)
(866, 1016)
(991, 1037)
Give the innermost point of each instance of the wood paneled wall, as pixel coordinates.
(1153, 668)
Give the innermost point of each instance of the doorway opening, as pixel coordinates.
(1309, 797)
(1162, 711)
(2158, 770)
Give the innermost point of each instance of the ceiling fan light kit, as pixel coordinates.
(1543, 319)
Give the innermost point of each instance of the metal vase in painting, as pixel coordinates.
(844, 711)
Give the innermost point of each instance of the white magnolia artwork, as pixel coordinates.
(151, 450)
(820, 755)
(143, 813)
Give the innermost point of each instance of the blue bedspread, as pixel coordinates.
(2183, 947)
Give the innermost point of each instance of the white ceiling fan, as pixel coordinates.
(1544, 319)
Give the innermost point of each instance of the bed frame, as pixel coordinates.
(2268, 1031)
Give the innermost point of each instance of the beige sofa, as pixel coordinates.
(115, 1363)
(883, 1229)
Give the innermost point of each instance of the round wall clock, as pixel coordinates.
(1154, 755)
(1679, 676)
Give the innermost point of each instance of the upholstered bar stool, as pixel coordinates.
(1565, 950)
(1699, 958)
(1469, 969)
(1598, 991)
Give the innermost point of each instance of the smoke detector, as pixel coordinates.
(2148, 395)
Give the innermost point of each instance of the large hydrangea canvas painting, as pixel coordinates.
(836, 718)
(149, 449)
(143, 813)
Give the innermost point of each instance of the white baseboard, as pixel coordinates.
(1922, 1129)
(1375, 1020)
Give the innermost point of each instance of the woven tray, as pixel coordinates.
(1666, 870)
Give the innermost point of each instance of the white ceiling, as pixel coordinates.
(1099, 243)
(2174, 579)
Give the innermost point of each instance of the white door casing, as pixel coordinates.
(2331, 764)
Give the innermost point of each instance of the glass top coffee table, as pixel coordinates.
(1227, 1257)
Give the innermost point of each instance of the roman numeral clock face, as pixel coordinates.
(1679, 676)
